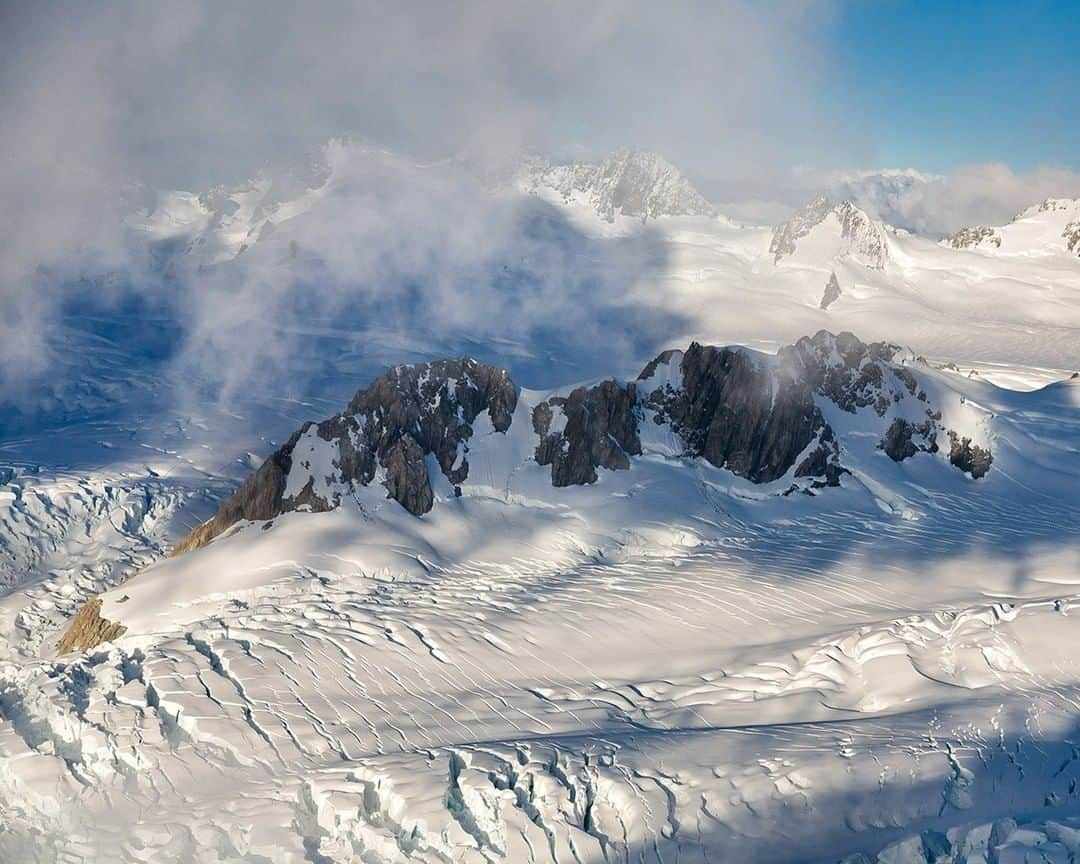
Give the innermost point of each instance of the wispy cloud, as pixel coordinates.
(99, 99)
(989, 194)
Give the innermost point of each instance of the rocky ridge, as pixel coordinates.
(975, 236)
(1037, 228)
(1071, 235)
(627, 182)
(385, 433)
(759, 417)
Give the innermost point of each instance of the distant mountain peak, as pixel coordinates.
(1039, 229)
(1049, 205)
(858, 236)
(627, 182)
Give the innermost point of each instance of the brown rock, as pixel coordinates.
(88, 629)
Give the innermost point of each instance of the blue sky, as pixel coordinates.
(939, 84)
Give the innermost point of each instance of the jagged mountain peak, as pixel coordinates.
(627, 182)
(224, 221)
(832, 229)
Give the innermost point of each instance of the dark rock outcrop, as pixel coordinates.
(1071, 236)
(972, 458)
(824, 461)
(408, 413)
(849, 372)
(757, 416)
(832, 292)
(259, 497)
(737, 412)
(407, 480)
(598, 428)
(904, 439)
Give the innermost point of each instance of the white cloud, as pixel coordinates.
(987, 194)
(98, 96)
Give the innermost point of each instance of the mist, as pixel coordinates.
(103, 104)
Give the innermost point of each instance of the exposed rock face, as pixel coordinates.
(415, 410)
(969, 457)
(862, 238)
(1071, 236)
(905, 438)
(88, 629)
(761, 420)
(867, 239)
(407, 480)
(786, 236)
(758, 416)
(407, 414)
(823, 461)
(852, 373)
(832, 292)
(627, 183)
(975, 236)
(259, 497)
(592, 427)
(739, 413)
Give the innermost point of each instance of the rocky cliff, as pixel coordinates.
(593, 427)
(385, 433)
(832, 292)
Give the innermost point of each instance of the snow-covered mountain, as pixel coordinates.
(627, 182)
(823, 229)
(1051, 227)
(220, 223)
(753, 414)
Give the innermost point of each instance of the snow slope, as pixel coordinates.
(1051, 228)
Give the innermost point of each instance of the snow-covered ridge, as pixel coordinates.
(761, 417)
(1051, 227)
(225, 221)
(976, 236)
(627, 182)
(832, 230)
(1049, 205)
